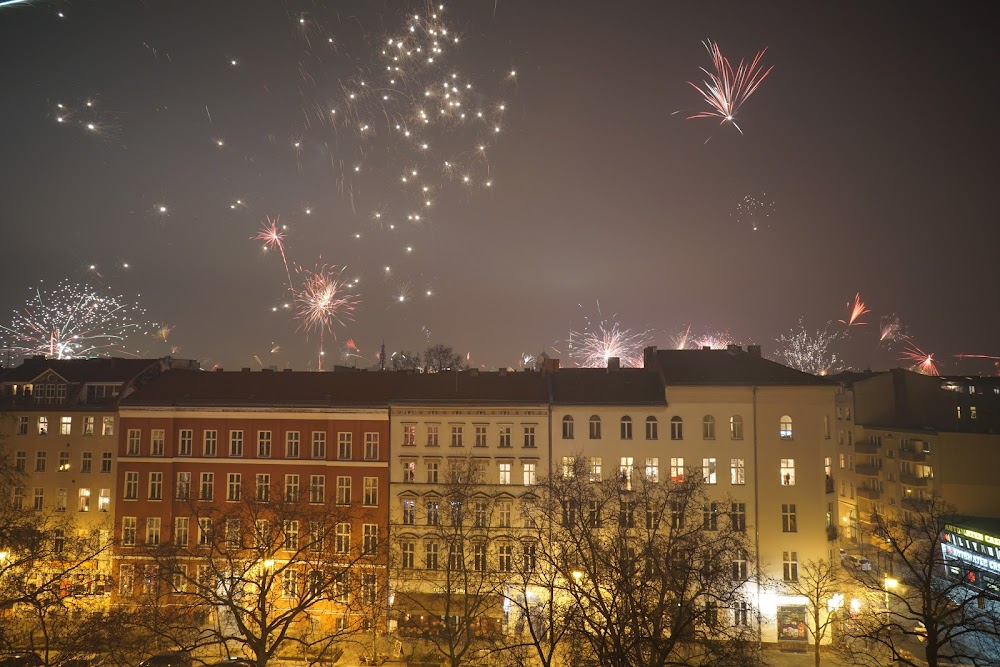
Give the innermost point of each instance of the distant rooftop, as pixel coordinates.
(602, 386)
(98, 369)
(728, 367)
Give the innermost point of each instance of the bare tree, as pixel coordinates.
(819, 582)
(253, 576)
(649, 566)
(916, 601)
(404, 360)
(452, 595)
(439, 357)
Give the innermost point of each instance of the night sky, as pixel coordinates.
(874, 138)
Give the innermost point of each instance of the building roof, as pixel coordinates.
(98, 369)
(982, 524)
(728, 367)
(354, 389)
(603, 386)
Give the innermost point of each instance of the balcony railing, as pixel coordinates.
(912, 455)
(867, 470)
(869, 493)
(916, 504)
(914, 480)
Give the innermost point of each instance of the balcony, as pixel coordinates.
(914, 480)
(916, 504)
(865, 447)
(912, 455)
(867, 470)
(831, 533)
(869, 493)
(829, 484)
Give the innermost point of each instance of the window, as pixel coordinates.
(408, 551)
(528, 555)
(677, 469)
(626, 465)
(181, 531)
(409, 512)
(504, 473)
(263, 444)
(39, 461)
(104, 501)
(788, 520)
(153, 530)
(595, 468)
(319, 444)
(738, 516)
(737, 471)
(292, 444)
(740, 567)
(88, 425)
(128, 531)
(156, 486)
(157, 442)
(595, 427)
(317, 488)
(107, 425)
(63, 461)
(569, 509)
(432, 435)
(529, 437)
(676, 428)
(456, 435)
(18, 498)
(21, 461)
(710, 516)
(708, 427)
(236, 443)
(785, 428)
(972, 412)
(567, 428)
(371, 446)
(505, 432)
(204, 531)
(131, 486)
(479, 557)
(370, 492)
(741, 614)
(409, 471)
(626, 428)
(262, 490)
(432, 472)
(206, 490)
(529, 473)
(291, 488)
(503, 513)
(291, 529)
(22, 425)
(83, 503)
(343, 490)
(568, 467)
(505, 561)
(626, 514)
(708, 471)
(234, 491)
(185, 442)
(61, 495)
(342, 538)
(652, 428)
(133, 443)
(409, 437)
(210, 443)
(652, 519)
(345, 442)
(433, 512)
(43, 426)
(676, 515)
(290, 583)
(370, 536)
(183, 488)
(790, 565)
(106, 462)
(65, 426)
(431, 555)
(736, 427)
(788, 472)
(39, 500)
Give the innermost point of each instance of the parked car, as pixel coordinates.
(24, 659)
(170, 659)
(858, 562)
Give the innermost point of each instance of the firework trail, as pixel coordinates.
(592, 347)
(74, 321)
(808, 351)
(273, 238)
(855, 312)
(727, 89)
(323, 302)
(891, 330)
(922, 361)
(680, 341)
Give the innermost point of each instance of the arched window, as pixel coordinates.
(626, 428)
(785, 429)
(595, 427)
(652, 428)
(676, 428)
(736, 427)
(567, 424)
(708, 427)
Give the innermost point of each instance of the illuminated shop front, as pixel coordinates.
(972, 554)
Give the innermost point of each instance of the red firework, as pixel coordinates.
(855, 311)
(726, 89)
(922, 361)
(273, 238)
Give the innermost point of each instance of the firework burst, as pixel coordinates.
(74, 321)
(855, 312)
(274, 238)
(323, 302)
(726, 89)
(808, 351)
(595, 345)
(891, 330)
(922, 361)
(755, 211)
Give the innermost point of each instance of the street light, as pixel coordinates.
(890, 583)
(577, 576)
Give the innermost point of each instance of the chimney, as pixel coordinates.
(551, 365)
(733, 347)
(287, 370)
(649, 357)
(614, 363)
(218, 369)
(245, 369)
(706, 347)
(753, 350)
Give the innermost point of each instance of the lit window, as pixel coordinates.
(785, 428)
(595, 468)
(625, 466)
(409, 438)
(652, 469)
(65, 425)
(504, 473)
(788, 472)
(708, 471)
(677, 469)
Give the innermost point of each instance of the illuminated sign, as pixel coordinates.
(975, 535)
(982, 562)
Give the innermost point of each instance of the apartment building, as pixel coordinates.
(59, 420)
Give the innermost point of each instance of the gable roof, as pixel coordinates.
(728, 368)
(98, 369)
